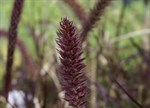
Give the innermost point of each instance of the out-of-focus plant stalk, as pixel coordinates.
(77, 8)
(94, 16)
(15, 18)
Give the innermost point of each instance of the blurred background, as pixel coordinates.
(117, 52)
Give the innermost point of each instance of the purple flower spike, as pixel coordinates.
(73, 78)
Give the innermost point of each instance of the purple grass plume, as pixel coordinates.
(94, 16)
(12, 38)
(72, 69)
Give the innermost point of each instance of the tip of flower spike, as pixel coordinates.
(65, 21)
(64, 18)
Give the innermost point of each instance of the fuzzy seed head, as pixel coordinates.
(72, 72)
